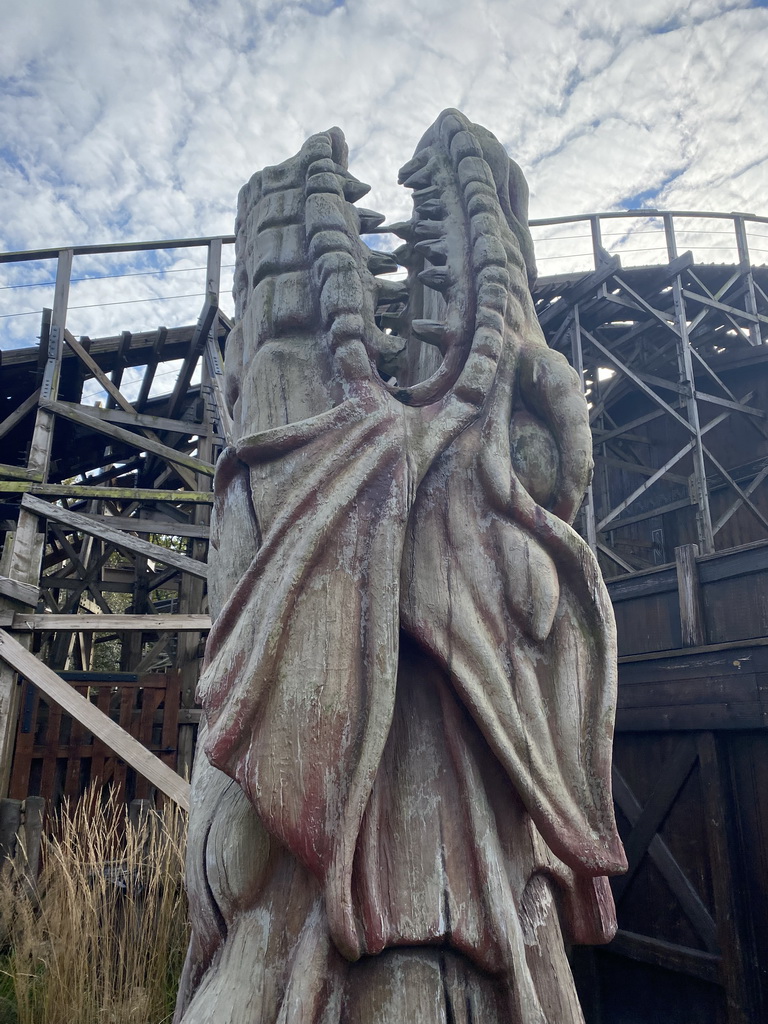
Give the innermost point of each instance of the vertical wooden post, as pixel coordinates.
(578, 363)
(692, 623)
(213, 271)
(219, 409)
(669, 234)
(191, 590)
(717, 802)
(10, 823)
(700, 494)
(27, 552)
(597, 240)
(32, 829)
(750, 299)
(131, 642)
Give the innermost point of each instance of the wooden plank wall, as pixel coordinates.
(690, 785)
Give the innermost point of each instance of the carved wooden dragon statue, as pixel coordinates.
(404, 797)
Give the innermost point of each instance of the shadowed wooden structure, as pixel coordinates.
(104, 514)
(676, 367)
(105, 511)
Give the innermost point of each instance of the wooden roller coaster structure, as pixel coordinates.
(104, 513)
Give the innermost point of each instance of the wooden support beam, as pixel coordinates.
(625, 303)
(660, 382)
(735, 406)
(157, 650)
(669, 955)
(151, 369)
(743, 496)
(750, 297)
(753, 318)
(25, 593)
(196, 346)
(86, 575)
(94, 720)
(49, 387)
(190, 602)
(124, 541)
(644, 487)
(204, 325)
(722, 837)
(152, 423)
(10, 826)
(623, 368)
(18, 414)
(700, 493)
(583, 288)
(117, 398)
(651, 513)
(662, 857)
(723, 519)
(742, 402)
(706, 310)
(577, 355)
(636, 467)
(77, 414)
(111, 623)
(622, 429)
(19, 472)
(666, 319)
(164, 527)
(112, 584)
(692, 623)
(611, 517)
(216, 375)
(121, 357)
(90, 363)
(614, 557)
(100, 493)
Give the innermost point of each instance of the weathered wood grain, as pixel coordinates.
(26, 593)
(103, 493)
(107, 623)
(693, 625)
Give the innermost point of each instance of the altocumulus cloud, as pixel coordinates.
(143, 119)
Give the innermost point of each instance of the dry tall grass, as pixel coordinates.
(101, 938)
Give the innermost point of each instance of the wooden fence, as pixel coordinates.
(57, 756)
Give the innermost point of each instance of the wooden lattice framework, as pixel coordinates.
(105, 531)
(681, 342)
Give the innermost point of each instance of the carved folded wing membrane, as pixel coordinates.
(344, 470)
(528, 645)
(300, 672)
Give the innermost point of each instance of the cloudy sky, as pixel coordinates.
(140, 120)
